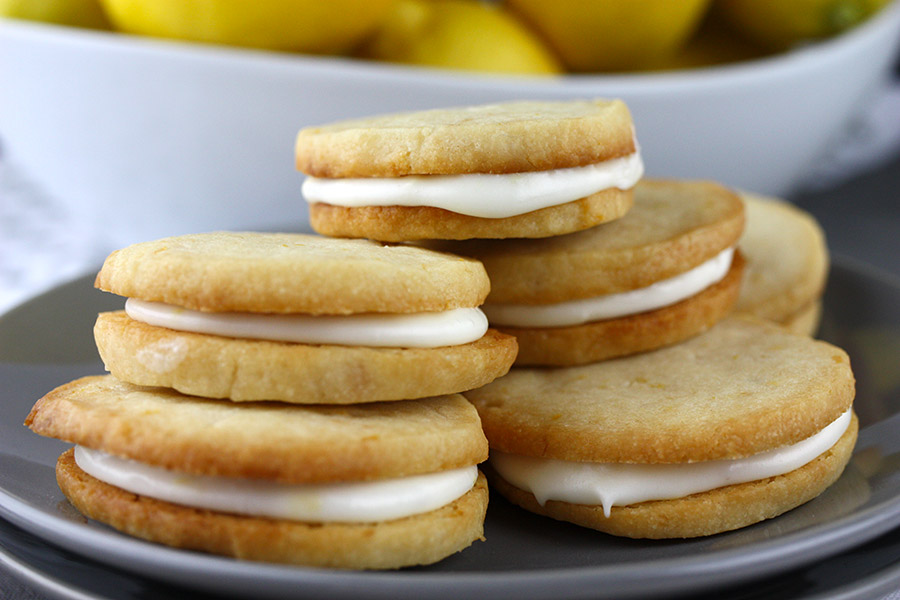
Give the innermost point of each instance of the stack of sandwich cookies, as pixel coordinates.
(599, 284)
(325, 424)
(731, 427)
(298, 318)
(349, 448)
(380, 485)
(787, 264)
(517, 169)
(662, 273)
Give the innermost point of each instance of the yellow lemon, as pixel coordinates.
(780, 24)
(459, 34)
(611, 35)
(315, 26)
(76, 13)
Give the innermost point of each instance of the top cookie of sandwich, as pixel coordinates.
(511, 137)
(743, 387)
(271, 440)
(292, 273)
(787, 259)
(673, 227)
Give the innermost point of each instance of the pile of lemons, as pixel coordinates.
(502, 36)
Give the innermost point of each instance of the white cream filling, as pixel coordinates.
(576, 312)
(414, 330)
(485, 195)
(609, 484)
(345, 502)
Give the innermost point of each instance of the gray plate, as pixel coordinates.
(48, 342)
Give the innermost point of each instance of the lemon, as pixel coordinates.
(611, 35)
(780, 24)
(76, 13)
(459, 34)
(315, 26)
(713, 44)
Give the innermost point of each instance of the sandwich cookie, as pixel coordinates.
(787, 264)
(731, 427)
(298, 318)
(664, 272)
(368, 486)
(516, 169)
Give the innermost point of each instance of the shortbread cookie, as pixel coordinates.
(664, 272)
(677, 442)
(298, 318)
(787, 264)
(516, 169)
(380, 485)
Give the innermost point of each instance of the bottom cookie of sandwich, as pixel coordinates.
(419, 539)
(705, 513)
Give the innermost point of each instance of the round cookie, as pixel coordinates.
(247, 370)
(291, 273)
(500, 141)
(787, 263)
(474, 139)
(674, 227)
(742, 388)
(255, 274)
(270, 442)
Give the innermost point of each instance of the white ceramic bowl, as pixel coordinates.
(141, 138)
